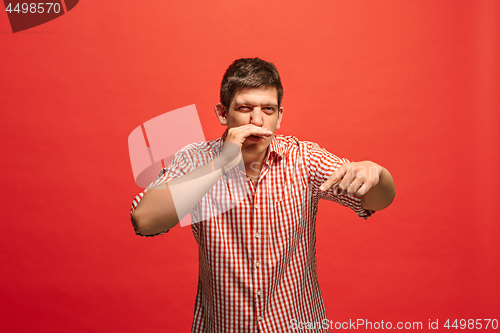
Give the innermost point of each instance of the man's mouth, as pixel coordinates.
(254, 137)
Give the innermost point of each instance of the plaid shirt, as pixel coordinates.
(257, 260)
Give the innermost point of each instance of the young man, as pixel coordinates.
(257, 262)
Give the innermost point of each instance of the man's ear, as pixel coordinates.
(280, 116)
(220, 111)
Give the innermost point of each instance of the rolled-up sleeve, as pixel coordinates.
(322, 164)
(180, 165)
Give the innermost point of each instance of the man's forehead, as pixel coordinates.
(260, 95)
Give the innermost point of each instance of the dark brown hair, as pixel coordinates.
(249, 73)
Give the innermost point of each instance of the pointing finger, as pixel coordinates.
(334, 179)
(345, 182)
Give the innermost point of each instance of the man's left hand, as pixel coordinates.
(368, 180)
(355, 178)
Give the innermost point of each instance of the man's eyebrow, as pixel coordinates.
(242, 102)
(245, 102)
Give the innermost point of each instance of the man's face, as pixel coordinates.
(257, 106)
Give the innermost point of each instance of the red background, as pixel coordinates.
(411, 85)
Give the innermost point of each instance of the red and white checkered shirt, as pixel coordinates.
(257, 261)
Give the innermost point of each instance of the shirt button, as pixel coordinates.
(259, 292)
(248, 179)
(256, 206)
(259, 318)
(257, 235)
(257, 264)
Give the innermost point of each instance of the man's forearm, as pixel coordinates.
(165, 204)
(382, 195)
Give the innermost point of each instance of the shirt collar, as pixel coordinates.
(275, 149)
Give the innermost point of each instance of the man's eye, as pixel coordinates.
(269, 109)
(244, 109)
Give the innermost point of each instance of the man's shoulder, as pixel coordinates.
(292, 140)
(290, 143)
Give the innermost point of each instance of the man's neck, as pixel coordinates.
(253, 162)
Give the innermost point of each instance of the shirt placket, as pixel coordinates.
(258, 238)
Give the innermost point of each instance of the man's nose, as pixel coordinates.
(256, 117)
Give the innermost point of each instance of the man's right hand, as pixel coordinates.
(239, 134)
(231, 152)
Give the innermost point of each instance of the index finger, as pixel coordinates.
(252, 129)
(335, 178)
